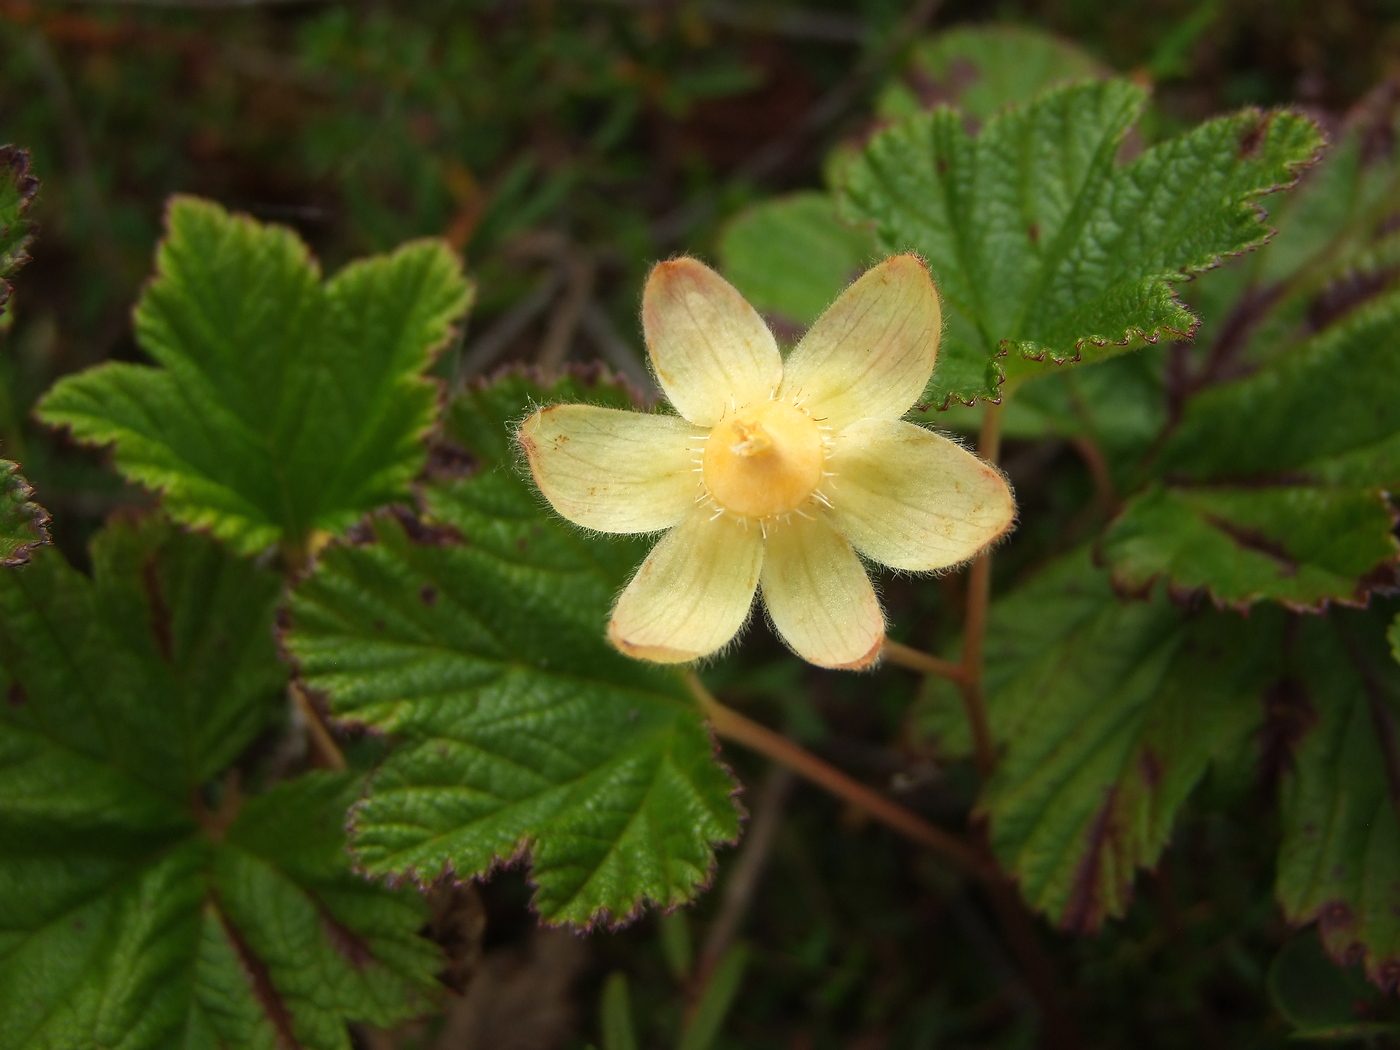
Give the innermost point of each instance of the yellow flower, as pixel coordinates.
(775, 473)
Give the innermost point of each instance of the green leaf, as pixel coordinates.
(1279, 480)
(131, 914)
(1109, 713)
(17, 191)
(1301, 546)
(1045, 250)
(476, 637)
(1341, 800)
(981, 69)
(23, 525)
(251, 348)
(791, 256)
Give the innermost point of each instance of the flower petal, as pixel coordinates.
(610, 470)
(912, 499)
(819, 596)
(872, 352)
(710, 349)
(692, 594)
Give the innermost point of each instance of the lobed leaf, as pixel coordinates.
(476, 637)
(1046, 250)
(1109, 714)
(23, 524)
(1341, 799)
(278, 404)
(130, 915)
(1278, 482)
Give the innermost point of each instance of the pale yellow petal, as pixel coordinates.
(614, 471)
(872, 352)
(710, 349)
(693, 592)
(819, 596)
(912, 499)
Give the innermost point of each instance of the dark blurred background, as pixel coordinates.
(563, 146)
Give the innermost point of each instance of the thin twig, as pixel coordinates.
(579, 270)
(596, 325)
(328, 753)
(733, 726)
(1105, 495)
(483, 351)
(767, 160)
(924, 663)
(745, 876)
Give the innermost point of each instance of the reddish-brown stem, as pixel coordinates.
(731, 725)
(323, 745)
(1094, 459)
(1017, 924)
(924, 663)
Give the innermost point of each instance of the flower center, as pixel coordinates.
(766, 459)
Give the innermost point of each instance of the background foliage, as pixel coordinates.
(1198, 782)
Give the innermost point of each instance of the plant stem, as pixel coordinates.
(979, 590)
(924, 663)
(328, 753)
(1016, 923)
(731, 725)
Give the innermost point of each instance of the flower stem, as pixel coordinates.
(731, 725)
(924, 663)
(1016, 922)
(979, 590)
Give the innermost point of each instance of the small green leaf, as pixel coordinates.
(130, 914)
(278, 405)
(982, 69)
(791, 256)
(1280, 479)
(1110, 713)
(1341, 800)
(17, 191)
(1044, 249)
(477, 638)
(23, 524)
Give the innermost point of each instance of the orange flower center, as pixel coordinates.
(764, 460)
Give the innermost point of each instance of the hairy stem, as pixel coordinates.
(924, 663)
(731, 725)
